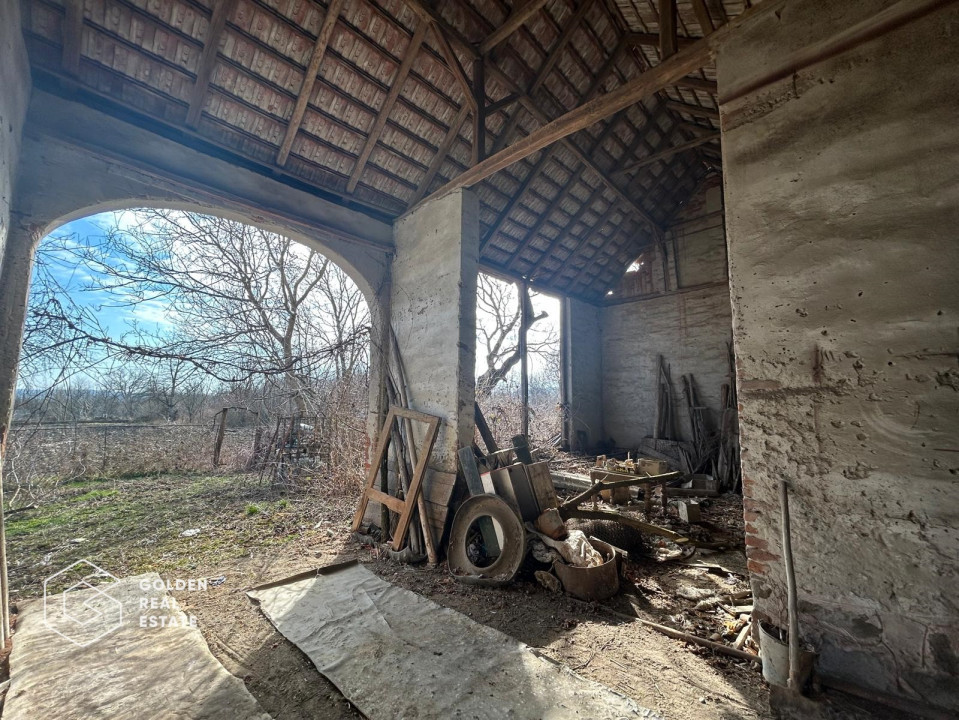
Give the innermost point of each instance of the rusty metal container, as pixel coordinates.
(591, 583)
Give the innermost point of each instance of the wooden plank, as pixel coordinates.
(668, 152)
(694, 110)
(418, 473)
(652, 40)
(441, 153)
(484, 430)
(513, 22)
(393, 503)
(470, 471)
(668, 42)
(543, 488)
(375, 462)
(211, 46)
(72, 39)
(412, 49)
(309, 79)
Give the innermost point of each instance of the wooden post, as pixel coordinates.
(220, 432)
(479, 110)
(526, 315)
(484, 431)
(475, 486)
(791, 595)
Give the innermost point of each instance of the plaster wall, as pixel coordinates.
(676, 305)
(433, 313)
(842, 195)
(583, 395)
(14, 93)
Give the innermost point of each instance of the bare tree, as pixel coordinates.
(499, 318)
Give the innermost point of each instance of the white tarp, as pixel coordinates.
(395, 654)
(125, 672)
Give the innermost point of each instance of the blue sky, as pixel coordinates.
(115, 318)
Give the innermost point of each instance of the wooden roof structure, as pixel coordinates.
(583, 125)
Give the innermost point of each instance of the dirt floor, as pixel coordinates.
(238, 533)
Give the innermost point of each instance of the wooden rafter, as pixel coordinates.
(547, 67)
(479, 110)
(309, 79)
(441, 153)
(561, 195)
(653, 40)
(515, 197)
(668, 42)
(513, 22)
(72, 29)
(587, 233)
(428, 13)
(668, 152)
(644, 86)
(703, 17)
(459, 74)
(211, 46)
(597, 253)
(698, 84)
(694, 110)
(397, 85)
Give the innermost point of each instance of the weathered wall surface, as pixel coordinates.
(14, 92)
(842, 195)
(434, 318)
(584, 374)
(679, 310)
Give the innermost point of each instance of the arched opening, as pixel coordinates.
(193, 389)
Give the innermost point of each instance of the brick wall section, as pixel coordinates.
(677, 306)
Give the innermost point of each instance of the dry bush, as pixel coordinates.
(503, 411)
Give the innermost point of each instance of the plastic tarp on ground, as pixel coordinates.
(395, 654)
(121, 673)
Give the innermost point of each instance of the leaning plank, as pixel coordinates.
(405, 507)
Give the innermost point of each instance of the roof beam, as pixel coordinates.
(694, 110)
(668, 42)
(459, 74)
(644, 86)
(72, 29)
(412, 49)
(312, 70)
(652, 40)
(702, 17)
(211, 46)
(668, 152)
(517, 17)
(561, 42)
(598, 252)
(698, 84)
(441, 152)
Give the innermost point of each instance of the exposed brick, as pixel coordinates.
(756, 542)
(750, 515)
(761, 555)
(757, 568)
(752, 529)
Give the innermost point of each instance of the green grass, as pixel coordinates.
(132, 526)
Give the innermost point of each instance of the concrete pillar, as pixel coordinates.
(433, 313)
(842, 198)
(583, 374)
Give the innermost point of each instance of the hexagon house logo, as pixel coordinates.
(77, 604)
